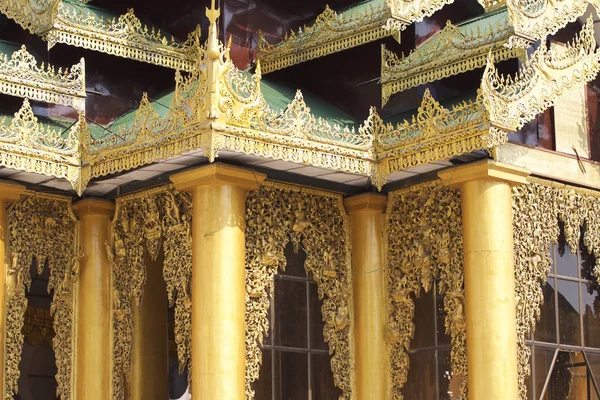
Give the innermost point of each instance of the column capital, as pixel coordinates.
(93, 206)
(365, 202)
(217, 174)
(487, 170)
(10, 191)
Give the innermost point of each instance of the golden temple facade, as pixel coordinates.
(273, 200)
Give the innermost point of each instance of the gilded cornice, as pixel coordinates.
(21, 76)
(536, 19)
(548, 74)
(217, 107)
(451, 51)
(31, 146)
(332, 32)
(124, 36)
(406, 12)
(36, 16)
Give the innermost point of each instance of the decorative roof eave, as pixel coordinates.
(331, 33)
(449, 52)
(548, 74)
(406, 12)
(535, 20)
(20, 76)
(217, 107)
(32, 15)
(433, 134)
(124, 36)
(30, 146)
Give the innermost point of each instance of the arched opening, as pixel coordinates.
(38, 364)
(295, 357)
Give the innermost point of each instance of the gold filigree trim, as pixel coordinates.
(537, 209)
(124, 36)
(332, 32)
(547, 75)
(149, 221)
(424, 245)
(452, 51)
(41, 228)
(536, 19)
(31, 146)
(20, 76)
(36, 16)
(276, 215)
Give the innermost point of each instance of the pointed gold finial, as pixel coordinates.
(213, 13)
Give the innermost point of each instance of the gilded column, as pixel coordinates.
(8, 192)
(93, 302)
(149, 356)
(490, 305)
(367, 222)
(218, 277)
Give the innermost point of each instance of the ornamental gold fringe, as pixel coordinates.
(148, 221)
(537, 209)
(33, 15)
(547, 75)
(536, 19)
(41, 228)
(451, 51)
(330, 33)
(424, 245)
(20, 76)
(277, 214)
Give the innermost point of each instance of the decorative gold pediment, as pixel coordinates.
(36, 16)
(20, 76)
(536, 19)
(332, 32)
(548, 74)
(124, 36)
(31, 146)
(453, 50)
(406, 12)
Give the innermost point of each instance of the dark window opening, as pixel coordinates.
(296, 364)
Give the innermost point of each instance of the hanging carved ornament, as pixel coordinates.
(21, 76)
(41, 228)
(331, 32)
(424, 245)
(548, 74)
(536, 19)
(275, 215)
(537, 209)
(147, 221)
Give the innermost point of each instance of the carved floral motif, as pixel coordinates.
(42, 228)
(537, 209)
(424, 245)
(148, 221)
(276, 215)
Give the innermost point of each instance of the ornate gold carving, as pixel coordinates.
(275, 215)
(405, 12)
(42, 228)
(536, 19)
(453, 50)
(424, 245)
(124, 36)
(330, 33)
(20, 76)
(537, 208)
(36, 16)
(548, 74)
(148, 221)
(31, 146)
(435, 133)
